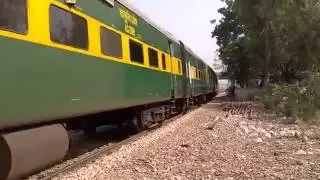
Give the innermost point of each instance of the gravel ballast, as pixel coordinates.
(211, 144)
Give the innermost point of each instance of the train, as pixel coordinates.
(79, 64)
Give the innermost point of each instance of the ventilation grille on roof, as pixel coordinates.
(71, 2)
(109, 2)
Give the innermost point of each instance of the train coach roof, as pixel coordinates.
(144, 17)
(193, 54)
(132, 8)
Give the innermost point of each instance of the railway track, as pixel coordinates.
(81, 160)
(108, 149)
(228, 108)
(237, 108)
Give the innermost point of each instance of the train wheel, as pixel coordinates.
(167, 113)
(184, 107)
(205, 99)
(136, 124)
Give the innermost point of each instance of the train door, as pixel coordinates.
(173, 75)
(184, 60)
(190, 85)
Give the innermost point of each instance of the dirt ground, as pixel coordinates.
(215, 143)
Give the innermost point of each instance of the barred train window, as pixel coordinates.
(136, 52)
(153, 58)
(13, 15)
(68, 28)
(164, 66)
(111, 44)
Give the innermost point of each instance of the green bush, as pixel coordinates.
(300, 100)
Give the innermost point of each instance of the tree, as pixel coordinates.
(229, 28)
(229, 32)
(257, 16)
(297, 36)
(280, 38)
(240, 65)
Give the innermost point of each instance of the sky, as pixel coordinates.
(187, 20)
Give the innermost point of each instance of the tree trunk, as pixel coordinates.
(309, 65)
(233, 82)
(266, 72)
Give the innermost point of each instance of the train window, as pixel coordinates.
(153, 58)
(164, 65)
(13, 16)
(196, 74)
(179, 67)
(136, 52)
(68, 28)
(111, 44)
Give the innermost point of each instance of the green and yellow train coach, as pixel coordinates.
(69, 64)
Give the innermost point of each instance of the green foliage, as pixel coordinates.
(300, 100)
(257, 16)
(240, 65)
(277, 37)
(296, 38)
(233, 52)
(281, 37)
(229, 28)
